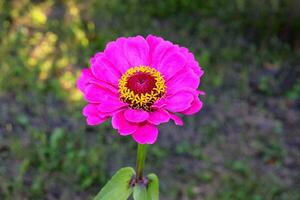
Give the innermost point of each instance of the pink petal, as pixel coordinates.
(109, 87)
(146, 134)
(94, 58)
(192, 62)
(96, 94)
(180, 101)
(137, 116)
(122, 125)
(104, 70)
(90, 109)
(153, 42)
(159, 103)
(160, 51)
(111, 106)
(201, 92)
(176, 119)
(172, 63)
(93, 121)
(195, 107)
(159, 116)
(136, 50)
(93, 117)
(183, 79)
(85, 77)
(114, 51)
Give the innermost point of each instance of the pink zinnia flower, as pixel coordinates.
(141, 83)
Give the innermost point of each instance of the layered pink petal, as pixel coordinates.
(172, 63)
(96, 94)
(191, 62)
(111, 106)
(176, 119)
(107, 86)
(114, 51)
(85, 77)
(179, 101)
(166, 57)
(92, 116)
(104, 70)
(136, 116)
(146, 134)
(122, 125)
(91, 109)
(153, 42)
(159, 116)
(136, 50)
(183, 79)
(160, 103)
(162, 49)
(195, 107)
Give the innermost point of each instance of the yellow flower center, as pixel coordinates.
(141, 87)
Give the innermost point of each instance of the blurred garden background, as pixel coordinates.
(243, 145)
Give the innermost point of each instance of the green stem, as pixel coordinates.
(140, 162)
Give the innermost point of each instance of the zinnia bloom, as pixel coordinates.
(141, 83)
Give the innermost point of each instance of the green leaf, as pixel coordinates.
(139, 192)
(153, 187)
(118, 187)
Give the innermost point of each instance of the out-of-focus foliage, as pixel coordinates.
(243, 145)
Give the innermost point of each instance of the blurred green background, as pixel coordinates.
(243, 145)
